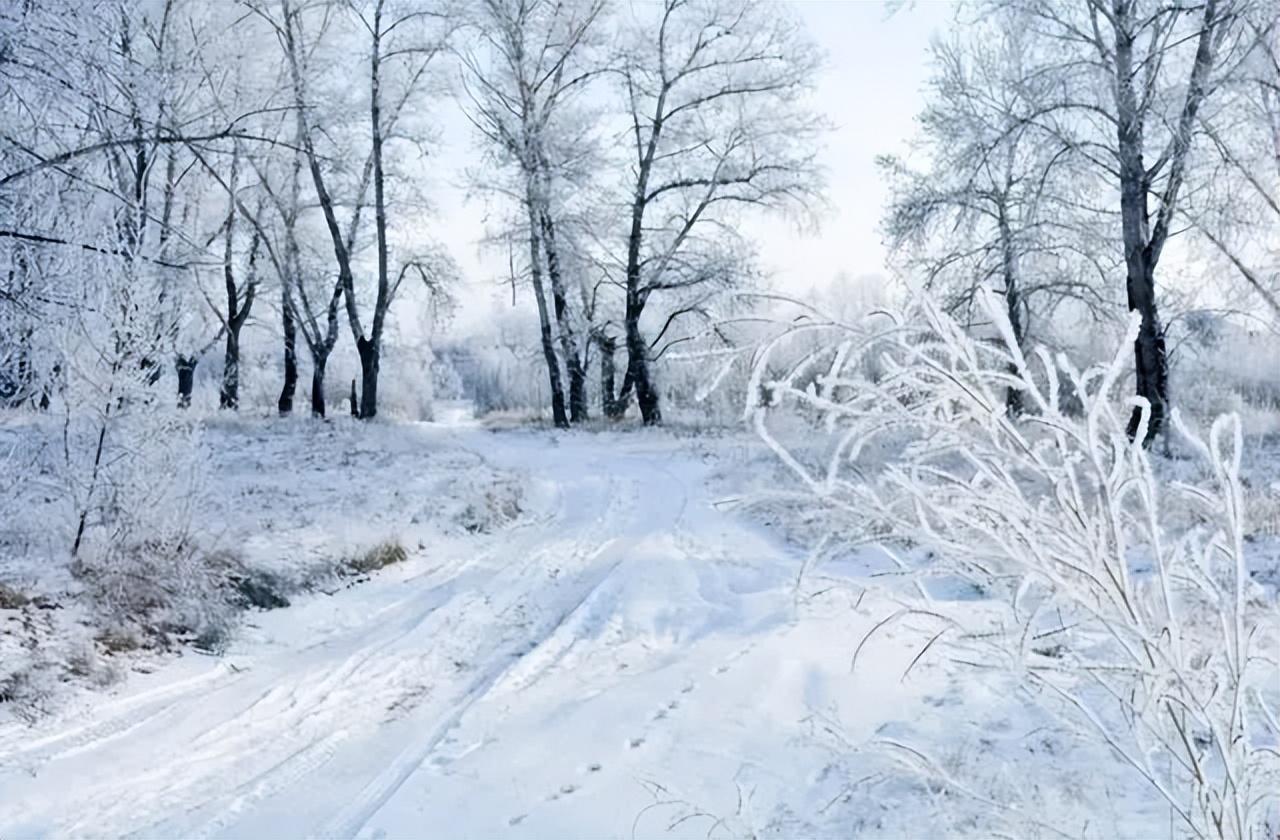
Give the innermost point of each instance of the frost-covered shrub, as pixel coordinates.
(130, 467)
(498, 505)
(1144, 631)
(409, 389)
(1227, 366)
(499, 378)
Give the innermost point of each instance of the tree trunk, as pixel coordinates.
(607, 372)
(638, 366)
(229, 393)
(15, 388)
(1144, 241)
(619, 405)
(558, 415)
(290, 327)
(369, 358)
(186, 366)
(371, 348)
(564, 320)
(1150, 360)
(1013, 305)
(1150, 364)
(317, 384)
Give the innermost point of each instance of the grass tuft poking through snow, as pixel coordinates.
(380, 556)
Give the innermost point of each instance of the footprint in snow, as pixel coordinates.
(635, 742)
(723, 668)
(517, 819)
(565, 790)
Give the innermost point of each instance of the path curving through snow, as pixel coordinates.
(625, 662)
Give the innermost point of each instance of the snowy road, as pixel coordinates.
(567, 679)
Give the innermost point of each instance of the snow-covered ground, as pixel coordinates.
(627, 658)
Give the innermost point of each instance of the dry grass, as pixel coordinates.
(385, 553)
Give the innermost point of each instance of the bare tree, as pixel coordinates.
(717, 122)
(997, 205)
(539, 57)
(1133, 76)
(416, 52)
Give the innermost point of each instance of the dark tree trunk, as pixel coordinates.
(186, 366)
(558, 415)
(355, 401)
(1150, 360)
(229, 393)
(15, 388)
(638, 367)
(607, 373)
(285, 403)
(370, 348)
(637, 347)
(317, 385)
(1013, 305)
(568, 340)
(577, 391)
(1139, 260)
(369, 359)
(619, 405)
(1144, 241)
(1150, 364)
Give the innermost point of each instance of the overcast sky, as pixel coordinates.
(870, 90)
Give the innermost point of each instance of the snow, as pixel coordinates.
(628, 658)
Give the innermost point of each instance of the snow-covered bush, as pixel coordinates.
(130, 466)
(1122, 599)
(1223, 364)
(498, 378)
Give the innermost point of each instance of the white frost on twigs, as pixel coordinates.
(1123, 600)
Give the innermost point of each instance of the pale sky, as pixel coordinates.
(871, 90)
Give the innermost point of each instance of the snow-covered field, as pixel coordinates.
(626, 657)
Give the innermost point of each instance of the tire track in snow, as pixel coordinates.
(291, 709)
(352, 819)
(454, 613)
(123, 717)
(282, 722)
(166, 788)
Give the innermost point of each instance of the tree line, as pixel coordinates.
(271, 161)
